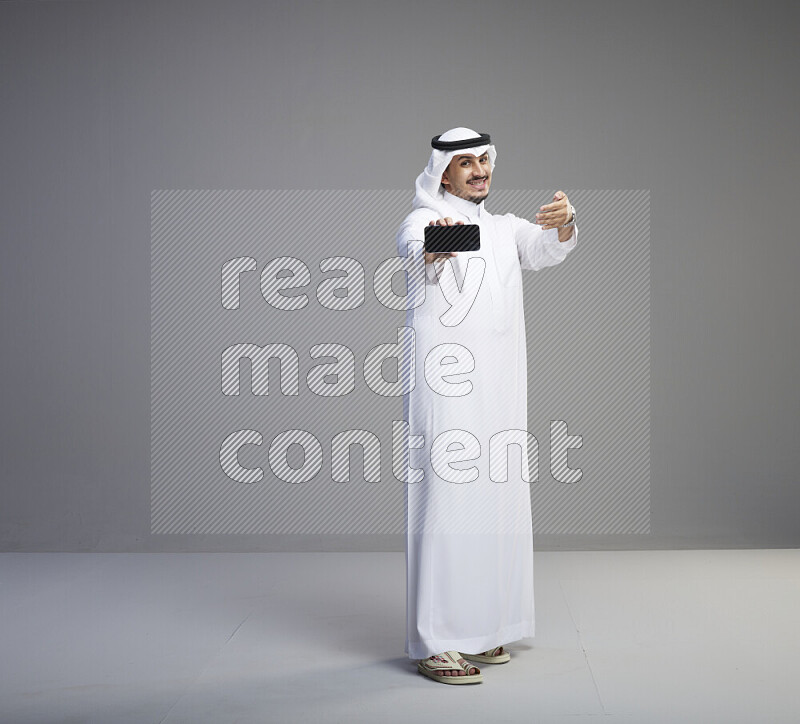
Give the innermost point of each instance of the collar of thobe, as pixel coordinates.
(468, 208)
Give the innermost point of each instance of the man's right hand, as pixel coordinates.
(433, 256)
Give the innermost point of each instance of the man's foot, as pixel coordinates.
(499, 651)
(470, 669)
(449, 668)
(497, 655)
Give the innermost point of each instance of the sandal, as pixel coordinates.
(492, 656)
(448, 661)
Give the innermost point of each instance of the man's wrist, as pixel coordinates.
(565, 233)
(571, 220)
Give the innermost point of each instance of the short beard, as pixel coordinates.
(475, 198)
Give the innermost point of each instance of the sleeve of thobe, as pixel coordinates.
(538, 248)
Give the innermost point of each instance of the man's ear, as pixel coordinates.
(445, 179)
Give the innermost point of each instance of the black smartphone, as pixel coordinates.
(460, 237)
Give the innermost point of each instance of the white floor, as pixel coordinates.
(633, 636)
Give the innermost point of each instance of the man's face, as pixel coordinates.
(468, 176)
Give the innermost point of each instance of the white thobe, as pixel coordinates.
(469, 538)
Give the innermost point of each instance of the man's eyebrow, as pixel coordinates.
(471, 155)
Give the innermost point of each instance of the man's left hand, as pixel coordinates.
(551, 216)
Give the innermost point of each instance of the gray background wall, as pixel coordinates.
(102, 102)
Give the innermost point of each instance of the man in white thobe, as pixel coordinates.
(469, 539)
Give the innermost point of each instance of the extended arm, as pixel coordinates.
(539, 248)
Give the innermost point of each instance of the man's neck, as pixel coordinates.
(468, 208)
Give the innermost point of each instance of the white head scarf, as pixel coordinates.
(429, 190)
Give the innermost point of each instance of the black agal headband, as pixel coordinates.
(481, 140)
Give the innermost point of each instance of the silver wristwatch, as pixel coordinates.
(571, 222)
